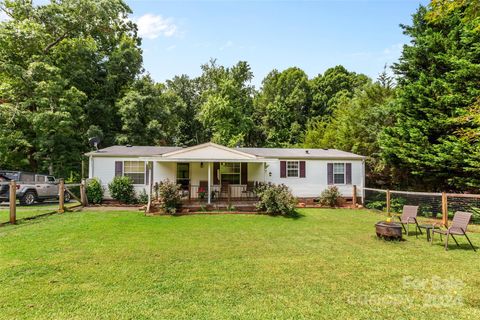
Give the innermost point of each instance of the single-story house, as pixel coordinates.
(210, 171)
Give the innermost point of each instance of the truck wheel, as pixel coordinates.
(66, 197)
(28, 198)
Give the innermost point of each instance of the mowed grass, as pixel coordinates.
(31, 211)
(326, 265)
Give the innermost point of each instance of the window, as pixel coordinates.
(183, 170)
(230, 172)
(339, 173)
(39, 179)
(135, 170)
(292, 169)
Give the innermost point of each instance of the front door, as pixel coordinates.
(183, 175)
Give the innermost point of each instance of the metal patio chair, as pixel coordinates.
(459, 228)
(408, 217)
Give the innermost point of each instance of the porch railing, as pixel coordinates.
(218, 192)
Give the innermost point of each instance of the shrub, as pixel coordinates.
(276, 200)
(330, 197)
(143, 197)
(169, 194)
(121, 189)
(94, 191)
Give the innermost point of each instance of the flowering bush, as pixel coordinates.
(169, 194)
(276, 200)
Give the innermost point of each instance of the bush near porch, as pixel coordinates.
(276, 200)
(327, 264)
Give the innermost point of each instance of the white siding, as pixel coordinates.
(315, 180)
(104, 169)
(312, 185)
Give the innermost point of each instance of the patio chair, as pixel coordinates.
(224, 189)
(459, 228)
(249, 190)
(408, 217)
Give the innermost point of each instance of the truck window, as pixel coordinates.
(50, 179)
(40, 179)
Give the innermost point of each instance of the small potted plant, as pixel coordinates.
(202, 192)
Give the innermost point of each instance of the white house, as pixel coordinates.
(210, 171)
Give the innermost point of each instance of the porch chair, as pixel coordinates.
(408, 217)
(224, 189)
(459, 228)
(249, 189)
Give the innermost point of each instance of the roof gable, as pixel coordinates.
(209, 151)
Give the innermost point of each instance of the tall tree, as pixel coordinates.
(330, 87)
(282, 106)
(435, 139)
(146, 115)
(62, 67)
(227, 101)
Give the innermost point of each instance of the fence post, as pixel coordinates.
(444, 209)
(13, 201)
(388, 203)
(61, 196)
(354, 198)
(83, 193)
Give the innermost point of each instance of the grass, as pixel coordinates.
(31, 211)
(326, 265)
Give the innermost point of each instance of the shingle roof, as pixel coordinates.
(132, 151)
(300, 153)
(259, 152)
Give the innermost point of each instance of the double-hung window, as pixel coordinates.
(339, 173)
(135, 170)
(293, 169)
(230, 172)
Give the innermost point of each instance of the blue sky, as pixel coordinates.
(179, 36)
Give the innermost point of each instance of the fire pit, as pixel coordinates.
(389, 230)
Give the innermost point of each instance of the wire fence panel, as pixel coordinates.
(468, 203)
(429, 203)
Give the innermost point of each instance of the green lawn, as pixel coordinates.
(327, 264)
(31, 211)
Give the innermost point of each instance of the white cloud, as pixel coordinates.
(172, 47)
(152, 26)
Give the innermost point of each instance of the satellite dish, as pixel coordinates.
(94, 142)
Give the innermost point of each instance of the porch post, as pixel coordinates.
(209, 182)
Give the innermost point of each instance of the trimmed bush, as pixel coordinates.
(169, 195)
(121, 189)
(330, 197)
(94, 191)
(276, 200)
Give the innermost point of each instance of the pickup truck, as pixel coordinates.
(31, 187)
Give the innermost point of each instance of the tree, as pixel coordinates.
(190, 129)
(354, 127)
(329, 88)
(146, 116)
(62, 66)
(435, 138)
(282, 106)
(227, 101)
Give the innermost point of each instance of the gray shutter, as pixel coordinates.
(118, 168)
(147, 173)
(283, 169)
(348, 173)
(330, 173)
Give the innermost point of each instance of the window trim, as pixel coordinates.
(344, 173)
(286, 168)
(239, 172)
(144, 171)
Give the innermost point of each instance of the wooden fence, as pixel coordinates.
(62, 188)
